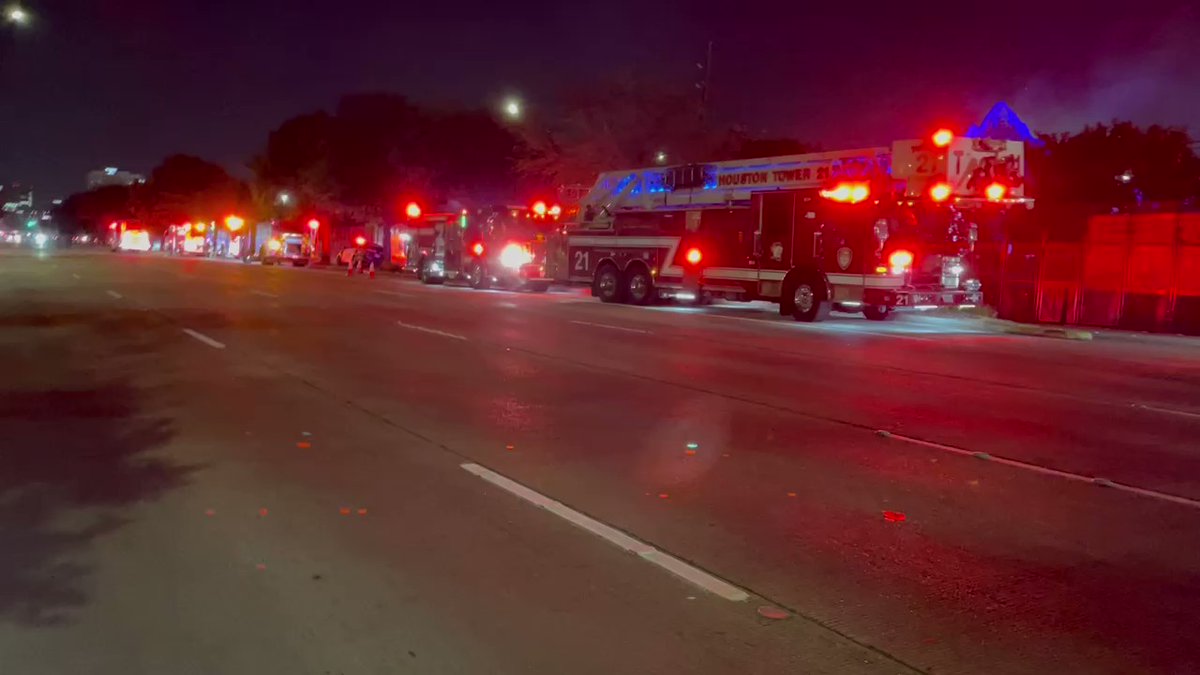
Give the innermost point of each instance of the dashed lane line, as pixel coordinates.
(263, 294)
(1168, 411)
(612, 327)
(650, 554)
(204, 338)
(431, 331)
(1047, 471)
(115, 294)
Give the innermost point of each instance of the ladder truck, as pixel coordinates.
(868, 230)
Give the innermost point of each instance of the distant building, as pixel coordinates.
(16, 198)
(112, 176)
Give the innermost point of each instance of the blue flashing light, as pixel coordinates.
(1002, 124)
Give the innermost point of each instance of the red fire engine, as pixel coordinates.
(497, 246)
(860, 230)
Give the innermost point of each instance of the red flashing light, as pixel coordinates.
(693, 256)
(413, 210)
(477, 248)
(539, 208)
(112, 225)
(900, 260)
(995, 192)
(940, 192)
(314, 224)
(556, 210)
(943, 137)
(849, 193)
(360, 241)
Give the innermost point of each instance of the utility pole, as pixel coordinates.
(706, 83)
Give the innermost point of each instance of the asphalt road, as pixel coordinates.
(213, 467)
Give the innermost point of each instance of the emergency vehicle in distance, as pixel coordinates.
(498, 246)
(187, 239)
(286, 247)
(860, 230)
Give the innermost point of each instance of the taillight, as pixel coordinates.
(940, 192)
(900, 261)
(693, 256)
(477, 249)
(995, 192)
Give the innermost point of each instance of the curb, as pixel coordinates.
(1039, 331)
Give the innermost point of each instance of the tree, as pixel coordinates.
(93, 210)
(623, 122)
(378, 151)
(1116, 165)
(185, 188)
(739, 145)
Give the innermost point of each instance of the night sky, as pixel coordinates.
(126, 82)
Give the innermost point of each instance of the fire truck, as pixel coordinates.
(498, 246)
(867, 230)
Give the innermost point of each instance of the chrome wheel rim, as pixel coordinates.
(637, 287)
(608, 284)
(804, 298)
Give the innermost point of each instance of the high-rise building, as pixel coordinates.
(111, 175)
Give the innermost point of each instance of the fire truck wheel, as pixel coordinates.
(424, 275)
(639, 287)
(806, 300)
(877, 312)
(607, 285)
(479, 279)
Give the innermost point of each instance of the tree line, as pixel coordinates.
(361, 162)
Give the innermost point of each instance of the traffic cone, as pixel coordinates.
(372, 269)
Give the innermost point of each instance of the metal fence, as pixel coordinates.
(1134, 271)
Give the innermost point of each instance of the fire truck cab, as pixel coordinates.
(498, 246)
(865, 230)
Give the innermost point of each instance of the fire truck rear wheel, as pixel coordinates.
(607, 285)
(639, 287)
(877, 312)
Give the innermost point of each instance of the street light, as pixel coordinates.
(17, 15)
(284, 198)
(660, 157)
(512, 108)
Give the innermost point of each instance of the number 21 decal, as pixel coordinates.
(581, 261)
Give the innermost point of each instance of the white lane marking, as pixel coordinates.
(75, 275)
(115, 294)
(431, 331)
(264, 294)
(204, 338)
(1169, 411)
(611, 327)
(645, 551)
(395, 294)
(1047, 471)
